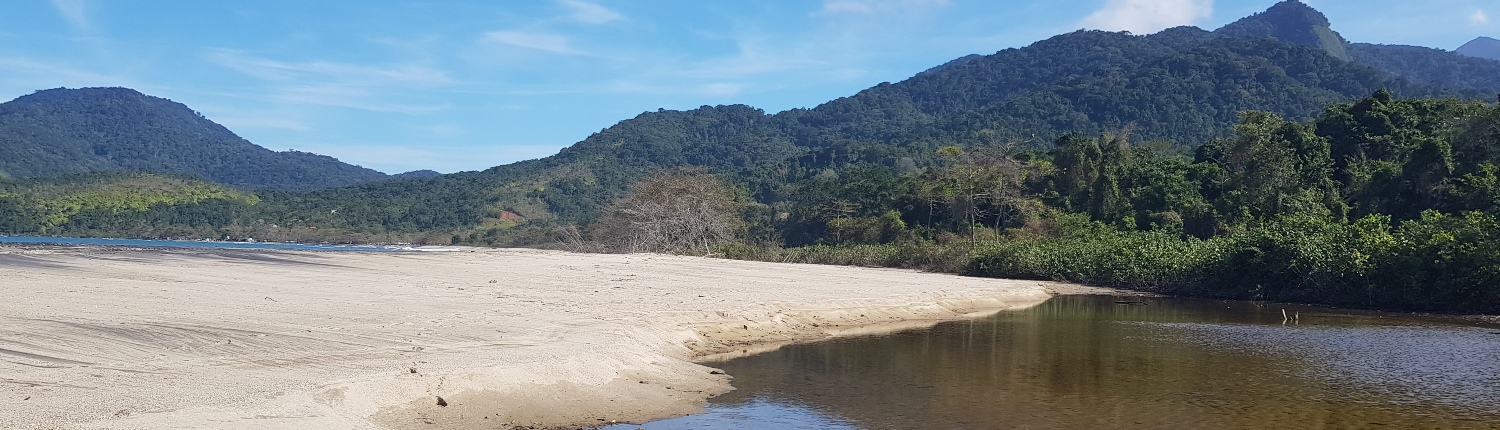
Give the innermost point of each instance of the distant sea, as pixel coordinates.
(39, 240)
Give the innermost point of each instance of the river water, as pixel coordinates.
(1080, 362)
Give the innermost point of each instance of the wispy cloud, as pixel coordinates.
(1479, 19)
(869, 7)
(1146, 16)
(343, 72)
(835, 50)
(24, 74)
(246, 122)
(756, 56)
(75, 11)
(722, 89)
(590, 13)
(347, 96)
(444, 130)
(335, 84)
(554, 43)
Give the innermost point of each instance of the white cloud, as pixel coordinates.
(868, 7)
(590, 13)
(540, 41)
(323, 70)
(24, 75)
(1479, 18)
(758, 55)
(444, 130)
(75, 11)
(348, 97)
(723, 89)
(344, 85)
(1147, 16)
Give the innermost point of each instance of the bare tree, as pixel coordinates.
(978, 183)
(678, 211)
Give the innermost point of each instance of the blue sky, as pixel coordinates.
(466, 85)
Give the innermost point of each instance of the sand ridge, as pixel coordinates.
(159, 339)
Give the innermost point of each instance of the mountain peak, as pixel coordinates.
(65, 131)
(60, 94)
(1481, 47)
(1293, 22)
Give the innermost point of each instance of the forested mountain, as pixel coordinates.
(120, 204)
(1183, 85)
(65, 131)
(1269, 159)
(1292, 22)
(1428, 66)
(1482, 47)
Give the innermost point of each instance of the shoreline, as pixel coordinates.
(110, 338)
(121, 244)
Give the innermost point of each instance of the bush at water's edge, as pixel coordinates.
(1439, 263)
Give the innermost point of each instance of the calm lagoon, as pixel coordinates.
(1082, 362)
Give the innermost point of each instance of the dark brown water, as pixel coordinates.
(1089, 362)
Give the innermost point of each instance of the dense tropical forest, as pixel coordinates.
(60, 131)
(1381, 202)
(1269, 159)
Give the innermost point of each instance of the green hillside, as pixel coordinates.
(120, 204)
(1250, 162)
(66, 131)
(1182, 85)
(1293, 22)
(1481, 47)
(1428, 66)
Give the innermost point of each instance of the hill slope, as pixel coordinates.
(65, 131)
(1184, 85)
(1293, 22)
(1482, 47)
(1430, 66)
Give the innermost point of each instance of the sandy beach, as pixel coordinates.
(478, 338)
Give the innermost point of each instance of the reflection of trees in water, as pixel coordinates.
(1078, 362)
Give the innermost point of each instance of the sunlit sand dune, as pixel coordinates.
(109, 338)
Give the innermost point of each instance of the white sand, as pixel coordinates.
(93, 338)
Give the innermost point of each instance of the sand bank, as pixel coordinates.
(99, 338)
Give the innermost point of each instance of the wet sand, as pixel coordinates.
(161, 339)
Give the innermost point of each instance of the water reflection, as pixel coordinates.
(1089, 362)
(752, 414)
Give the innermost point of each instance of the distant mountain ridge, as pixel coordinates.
(1429, 66)
(67, 131)
(1185, 85)
(1481, 47)
(1293, 22)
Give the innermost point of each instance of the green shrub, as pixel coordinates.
(1154, 260)
(1439, 262)
(1435, 263)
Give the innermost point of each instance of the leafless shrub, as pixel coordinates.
(678, 211)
